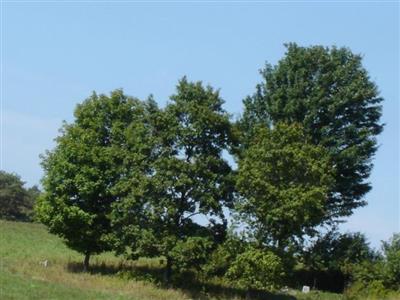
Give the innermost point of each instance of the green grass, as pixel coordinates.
(17, 287)
(24, 245)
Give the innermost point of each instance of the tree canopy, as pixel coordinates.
(188, 178)
(283, 180)
(147, 181)
(329, 92)
(90, 169)
(16, 201)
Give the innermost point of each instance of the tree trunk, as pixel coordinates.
(86, 262)
(168, 271)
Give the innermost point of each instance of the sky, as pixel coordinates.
(55, 53)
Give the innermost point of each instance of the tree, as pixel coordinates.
(335, 251)
(189, 178)
(331, 259)
(379, 275)
(16, 202)
(283, 180)
(330, 93)
(91, 168)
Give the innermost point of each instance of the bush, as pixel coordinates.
(368, 271)
(378, 279)
(374, 290)
(391, 250)
(256, 269)
(385, 270)
(193, 251)
(223, 256)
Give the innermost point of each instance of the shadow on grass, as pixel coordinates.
(185, 281)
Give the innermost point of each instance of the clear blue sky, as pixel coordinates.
(55, 54)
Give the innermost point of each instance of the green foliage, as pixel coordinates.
(187, 177)
(92, 166)
(283, 180)
(367, 271)
(192, 252)
(330, 93)
(16, 201)
(374, 290)
(391, 250)
(330, 261)
(378, 278)
(335, 251)
(131, 177)
(224, 255)
(256, 269)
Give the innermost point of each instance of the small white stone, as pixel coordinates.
(44, 263)
(285, 289)
(306, 289)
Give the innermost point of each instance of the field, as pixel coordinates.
(24, 247)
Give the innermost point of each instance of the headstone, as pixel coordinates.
(306, 289)
(44, 263)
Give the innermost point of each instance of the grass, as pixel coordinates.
(23, 246)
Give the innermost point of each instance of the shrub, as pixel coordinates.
(191, 252)
(223, 256)
(391, 251)
(374, 290)
(256, 269)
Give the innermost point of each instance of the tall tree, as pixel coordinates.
(330, 93)
(189, 178)
(89, 169)
(283, 180)
(16, 202)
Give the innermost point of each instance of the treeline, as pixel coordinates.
(16, 200)
(345, 262)
(144, 181)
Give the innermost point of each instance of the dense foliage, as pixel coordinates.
(329, 261)
(256, 269)
(188, 178)
(391, 252)
(16, 201)
(144, 181)
(335, 251)
(91, 167)
(330, 93)
(223, 256)
(283, 180)
(379, 277)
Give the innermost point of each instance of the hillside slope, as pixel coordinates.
(25, 246)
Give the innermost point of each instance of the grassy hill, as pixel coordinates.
(24, 246)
